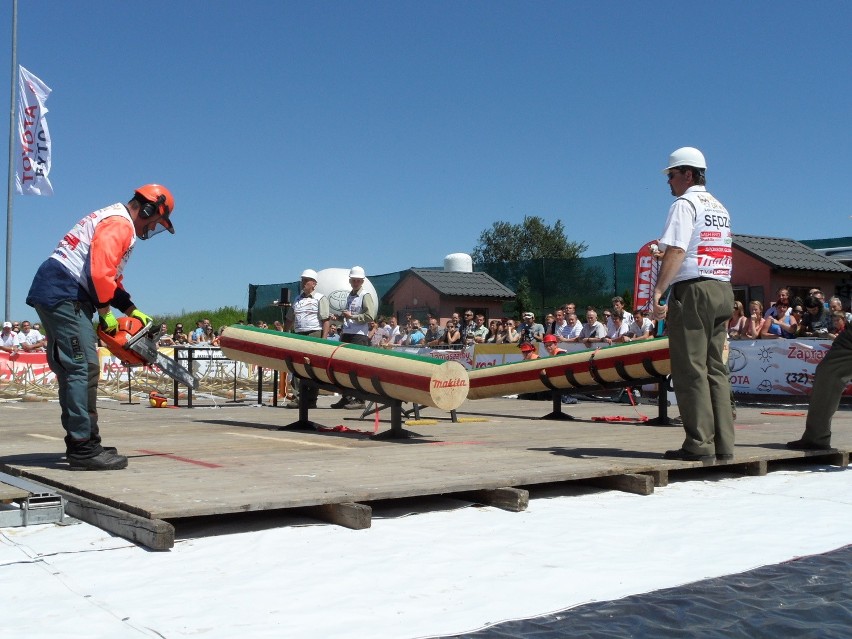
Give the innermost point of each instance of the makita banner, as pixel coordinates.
(33, 157)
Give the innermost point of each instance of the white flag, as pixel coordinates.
(33, 158)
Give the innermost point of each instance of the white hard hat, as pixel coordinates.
(686, 156)
(310, 274)
(356, 272)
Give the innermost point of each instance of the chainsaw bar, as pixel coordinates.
(144, 345)
(174, 370)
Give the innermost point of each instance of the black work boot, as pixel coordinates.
(103, 461)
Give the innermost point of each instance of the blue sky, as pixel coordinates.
(390, 134)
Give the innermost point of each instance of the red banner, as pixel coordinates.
(23, 366)
(647, 270)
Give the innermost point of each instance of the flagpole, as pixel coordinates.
(14, 77)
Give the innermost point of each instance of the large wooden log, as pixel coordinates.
(408, 378)
(633, 362)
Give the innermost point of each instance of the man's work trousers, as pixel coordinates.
(73, 357)
(698, 312)
(832, 375)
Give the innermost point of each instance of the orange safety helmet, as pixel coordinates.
(156, 199)
(157, 400)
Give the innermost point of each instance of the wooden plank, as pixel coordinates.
(512, 499)
(9, 493)
(628, 482)
(186, 463)
(757, 468)
(833, 457)
(753, 468)
(151, 533)
(347, 514)
(839, 458)
(660, 477)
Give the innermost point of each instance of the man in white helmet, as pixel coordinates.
(697, 265)
(359, 312)
(309, 315)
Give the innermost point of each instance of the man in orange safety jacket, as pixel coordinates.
(81, 276)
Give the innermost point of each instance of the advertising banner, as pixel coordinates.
(776, 366)
(781, 367)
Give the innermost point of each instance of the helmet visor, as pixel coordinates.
(157, 226)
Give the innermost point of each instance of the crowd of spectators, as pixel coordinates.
(790, 318)
(470, 328)
(26, 337)
(784, 318)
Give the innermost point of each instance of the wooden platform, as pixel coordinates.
(187, 463)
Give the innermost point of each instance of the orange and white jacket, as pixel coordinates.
(88, 262)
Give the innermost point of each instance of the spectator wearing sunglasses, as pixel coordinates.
(816, 322)
(179, 337)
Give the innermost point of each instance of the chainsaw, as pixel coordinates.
(135, 344)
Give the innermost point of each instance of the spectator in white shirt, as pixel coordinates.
(619, 330)
(8, 339)
(641, 327)
(573, 328)
(593, 331)
(29, 339)
(618, 305)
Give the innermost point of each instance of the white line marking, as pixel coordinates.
(287, 441)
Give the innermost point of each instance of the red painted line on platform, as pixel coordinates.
(182, 459)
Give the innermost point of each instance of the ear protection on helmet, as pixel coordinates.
(150, 209)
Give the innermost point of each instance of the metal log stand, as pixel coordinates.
(304, 423)
(601, 384)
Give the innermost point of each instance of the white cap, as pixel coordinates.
(7, 324)
(309, 274)
(528, 314)
(686, 156)
(356, 272)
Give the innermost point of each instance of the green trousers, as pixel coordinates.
(73, 357)
(832, 375)
(698, 311)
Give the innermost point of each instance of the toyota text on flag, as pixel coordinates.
(33, 163)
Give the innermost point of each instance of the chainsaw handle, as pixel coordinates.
(143, 334)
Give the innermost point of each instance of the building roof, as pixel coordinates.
(837, 248)
(459, 284)
(789, 254)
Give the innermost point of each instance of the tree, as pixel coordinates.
(531, 239)
(523, 299)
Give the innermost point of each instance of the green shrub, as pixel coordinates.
(224, 316)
